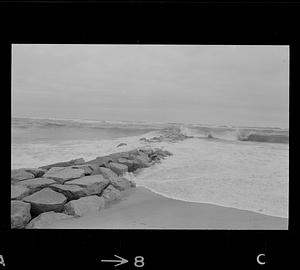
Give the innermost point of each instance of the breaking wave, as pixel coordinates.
(25, 123)
(271, 135)
(91, 129)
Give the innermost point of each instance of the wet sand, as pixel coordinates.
(141, 208)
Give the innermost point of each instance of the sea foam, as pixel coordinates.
(221, 170)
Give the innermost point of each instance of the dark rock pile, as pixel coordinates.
(74, 188)
(168, 135)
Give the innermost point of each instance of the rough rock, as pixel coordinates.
(121, 183)
(77, 161)
(132, 183)
(155, 158)
(119, 169)
(37, 184)
(72, 192)
(111, 194)
(165, 153)
(93, 184)
(46, 200)
(121, 144)
(92, 166)
(61, 174)
(45, 219)
(131, 164)
(19, 175)
(116, 156)
(107, 173)
(169, 135)
(159, 154)
(87, 168)
(35, 171)
(147, 151)
(84, 206)
(100, 161)
(97, 169)
(20, 214)
(18, 192)
(142, 159)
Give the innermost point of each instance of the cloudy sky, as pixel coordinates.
(237, 85)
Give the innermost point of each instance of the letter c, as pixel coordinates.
(258, 259)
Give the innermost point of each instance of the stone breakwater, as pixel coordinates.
(172, 135)
(64, 190)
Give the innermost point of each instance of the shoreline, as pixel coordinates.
(96, 194)
(140, 208)
(208, 203)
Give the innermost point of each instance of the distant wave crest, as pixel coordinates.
(25, 123)
(270, 135)
(129, 128)
(259, 137)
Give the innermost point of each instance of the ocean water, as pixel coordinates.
(245, 168)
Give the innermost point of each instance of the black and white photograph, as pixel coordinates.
(118, 136)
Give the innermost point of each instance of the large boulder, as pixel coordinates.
(87, 168)
(20, 214)
(72, 192)
(131, 164)
(147, 151)
(159, 154)
(46, 200)
(36, 184)
(19, 175)
(18, 192)
(141, 158)
(35, 171)
(61, 174)
(111, 194)
(107, 173)
(44, 220)
(118, 168)
(77, 161)
(93, 184)
(98, 170)
(121, 183)
(100, 161)
(132, 183)
(84, 206)
(116, 156)
(163, 153)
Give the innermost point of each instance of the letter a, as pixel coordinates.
(2, 260)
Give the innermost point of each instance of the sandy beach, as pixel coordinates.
(141, 208)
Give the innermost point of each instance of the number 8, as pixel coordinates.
(139, 261)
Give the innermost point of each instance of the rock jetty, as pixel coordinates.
(172, 135)
(71, 189)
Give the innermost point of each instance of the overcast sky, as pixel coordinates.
(237, 85)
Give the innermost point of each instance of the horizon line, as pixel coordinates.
(156, 122)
